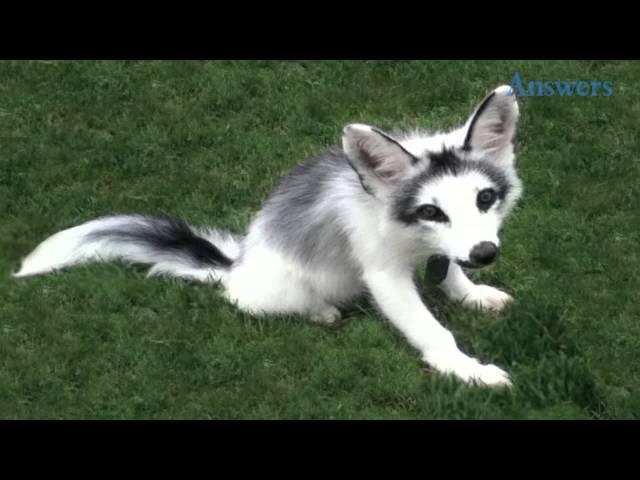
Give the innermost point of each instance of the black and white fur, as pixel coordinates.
(350, 220)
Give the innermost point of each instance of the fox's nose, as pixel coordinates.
(484, 253)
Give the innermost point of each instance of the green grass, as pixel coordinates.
(206, 142)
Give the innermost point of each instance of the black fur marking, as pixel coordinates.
(446, 162)
(467, 141)
(497, 177)
(485, 199)
(432, 214)
(168, 235)
(406, 209)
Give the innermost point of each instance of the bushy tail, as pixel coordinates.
(171, 246)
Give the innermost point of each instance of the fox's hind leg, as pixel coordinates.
(328, 315)
(262, 282)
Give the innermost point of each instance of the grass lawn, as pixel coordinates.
(206, 142)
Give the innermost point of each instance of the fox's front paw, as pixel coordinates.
(468, 369)
(327, 316)
(484, 297)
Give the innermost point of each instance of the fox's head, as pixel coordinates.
(449, 191)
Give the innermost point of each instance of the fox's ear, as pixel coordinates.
(491, 128)
(378, 158)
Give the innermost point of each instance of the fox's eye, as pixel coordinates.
(486, 198)
(431, 213)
